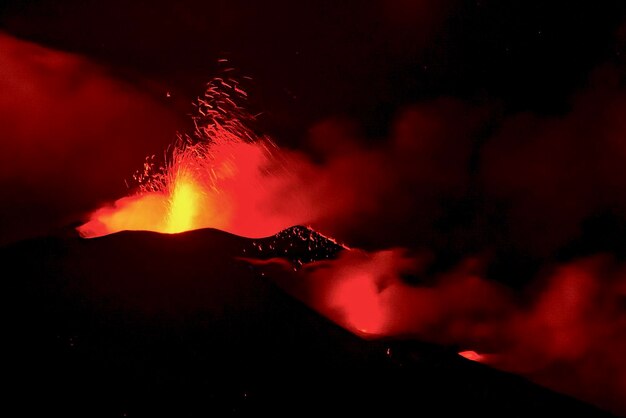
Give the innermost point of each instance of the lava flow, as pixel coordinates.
(471, 355)
(222, 177)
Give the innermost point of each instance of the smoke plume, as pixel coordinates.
(70, 133)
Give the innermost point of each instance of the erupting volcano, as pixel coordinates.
(226, 177)
(223, 176)
(427, 216)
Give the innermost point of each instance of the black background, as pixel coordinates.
(364, 59)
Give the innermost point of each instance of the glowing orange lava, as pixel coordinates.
(359, 300)
(225, 177)
(472, 355)
(184, 205)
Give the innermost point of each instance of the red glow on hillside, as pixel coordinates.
(358, 299)
(573, 319)
(471, 355)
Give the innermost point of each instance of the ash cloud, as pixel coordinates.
(462, 188)
(69, 135)
(463, 176)
(553, 173)
(386, 193)
(567, 331)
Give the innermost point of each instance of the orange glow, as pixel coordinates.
(472, 355)
(225, 178)
(352, 290)
(222, 185)
(184, 205)
(360, 302)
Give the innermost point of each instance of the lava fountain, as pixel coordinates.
(224, 176)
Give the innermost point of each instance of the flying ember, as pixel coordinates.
(223, 176)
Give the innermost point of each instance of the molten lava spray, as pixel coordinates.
(224, 177)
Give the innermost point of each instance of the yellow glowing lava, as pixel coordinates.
(185, 202)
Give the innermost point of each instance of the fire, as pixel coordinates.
(359, 300)
(184, 205)
(223, 177)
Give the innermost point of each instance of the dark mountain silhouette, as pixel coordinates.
(140, 324)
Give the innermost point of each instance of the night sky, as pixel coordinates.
(365, 59)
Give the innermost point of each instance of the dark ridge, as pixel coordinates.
(140, 324)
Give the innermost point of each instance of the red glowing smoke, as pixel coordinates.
(223, 185)
(569, 335)
(69, 135)
(554, 172)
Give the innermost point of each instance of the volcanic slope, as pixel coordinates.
(141, 324)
